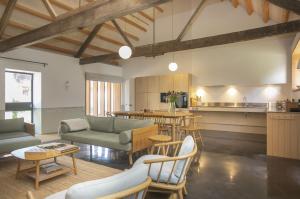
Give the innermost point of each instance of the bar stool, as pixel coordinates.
(158, 139)
(192, 128)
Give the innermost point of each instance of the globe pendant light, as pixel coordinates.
(173, 65)
(125, 52)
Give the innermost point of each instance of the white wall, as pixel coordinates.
(60, 69)
(250, 66)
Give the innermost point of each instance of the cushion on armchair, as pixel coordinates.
(186, 148)
(155, 168)
(106, 186)
(12, 125)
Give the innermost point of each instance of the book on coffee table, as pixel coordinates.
(50, 167)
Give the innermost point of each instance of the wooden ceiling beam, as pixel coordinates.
(122, 34)
(173, 46)
(249, 6)
(50, 9)
(291, 5)
(266, 11)
(106, 25)
(61, 38)
(88, 40)
(159, 9)
(190, 21)
(145, 15)
(98, 12)
(235, 3)
(70, 8)
(41, 15)
(6, 15)
(285, 15)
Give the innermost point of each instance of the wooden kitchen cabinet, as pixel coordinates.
(182, 82)
(153, 101)
(166, 83)
(152, 84)
(283, 135)
(141, 101)
(141, 84)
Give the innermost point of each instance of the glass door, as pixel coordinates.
(19, 95)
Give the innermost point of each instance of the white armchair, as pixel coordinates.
(168, 173)
(132, 183)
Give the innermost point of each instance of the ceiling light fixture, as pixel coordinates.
(173, 65)
(125, 52)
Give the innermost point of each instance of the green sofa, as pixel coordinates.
(16, 134)
(112, 132)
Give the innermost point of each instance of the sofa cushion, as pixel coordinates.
(109, 140)
(186, 148)
(155, 168)
(8, 145)
(121, 124)
(76, 124)
(107, 186)
(103, 124)
(13, 135)
(125, 137)
(58, 195)
(12, 125)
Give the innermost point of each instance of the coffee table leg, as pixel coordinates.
(18, 168)
(74, 164)
(37, 175)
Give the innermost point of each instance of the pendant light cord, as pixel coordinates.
(154, 20)
(173, 28)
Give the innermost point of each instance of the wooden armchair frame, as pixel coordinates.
(134, 191)
(178, 187)
(29, 128)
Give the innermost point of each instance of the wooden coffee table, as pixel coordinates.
(38, 154)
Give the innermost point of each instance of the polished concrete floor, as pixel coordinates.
(232, 166)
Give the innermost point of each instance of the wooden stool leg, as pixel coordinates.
(37, 174)
(185, 191)
(179, 193)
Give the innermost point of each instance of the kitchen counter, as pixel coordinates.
(230, 107)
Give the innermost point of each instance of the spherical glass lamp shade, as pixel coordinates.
(173, 66)
(125, 52)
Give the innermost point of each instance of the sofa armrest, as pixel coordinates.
(30, 128)
(140, 137)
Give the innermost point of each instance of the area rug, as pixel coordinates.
(12, 188)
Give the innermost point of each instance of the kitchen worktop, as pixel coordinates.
(230, 107)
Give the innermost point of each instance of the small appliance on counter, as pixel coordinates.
(288, 105)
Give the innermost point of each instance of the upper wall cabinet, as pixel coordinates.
(141, 84)
(166, 83)
(182, 82)
(153, 84)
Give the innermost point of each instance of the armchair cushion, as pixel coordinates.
(103, 124)
(155, 168)
(125, 137)
(12, 125)
(186, 148)
(98, 188)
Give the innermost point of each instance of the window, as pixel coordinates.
(102, 97)
(18, 95)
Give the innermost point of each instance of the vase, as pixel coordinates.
(172, 107)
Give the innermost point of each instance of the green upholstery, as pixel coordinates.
(125, 137)
(12, 125)
(121, 124)
(108, 140)
(10, 135)
(8, 145)
(103, 124)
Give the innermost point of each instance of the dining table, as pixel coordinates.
(171, 116)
